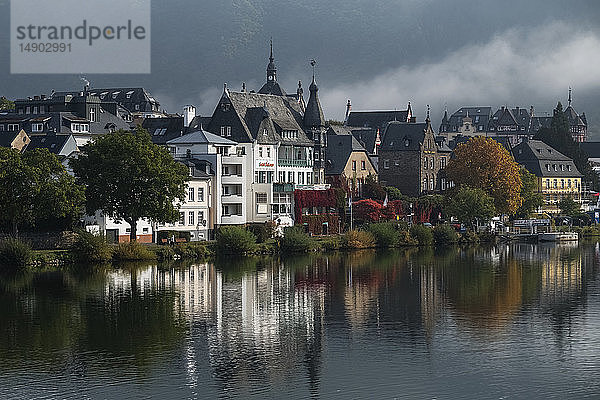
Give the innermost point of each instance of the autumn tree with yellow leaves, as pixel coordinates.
(483, 163)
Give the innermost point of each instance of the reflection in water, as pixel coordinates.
(301, 325)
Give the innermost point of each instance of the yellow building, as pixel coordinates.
(557, 174)
(347, 158)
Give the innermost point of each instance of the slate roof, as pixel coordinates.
(375, 119)
(510, 117)
(537, 157)
(284, 115)
(54, 143)
(403, 136)
(479, 116)
(592, 149)
(198, 167)
(164, 129)
(460, 139)
(198, 122)
(60, 122)
(313, 115)
(201, 136)
(6, 138)
(573, 117)
(339, 150)
(125, 97)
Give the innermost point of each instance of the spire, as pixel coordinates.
(408, 113)
(313, 115)
(271, 68)
(428, 120)
(348, 109)
(570, 95)
(445, 117)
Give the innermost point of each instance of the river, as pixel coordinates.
(504, 322)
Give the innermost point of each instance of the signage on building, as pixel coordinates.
(531, 222)
(265, 164)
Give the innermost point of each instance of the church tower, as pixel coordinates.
(272, 86)
(314, 125)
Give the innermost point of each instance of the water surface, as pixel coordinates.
(517, 321)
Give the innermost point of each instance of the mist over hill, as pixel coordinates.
(380, 54)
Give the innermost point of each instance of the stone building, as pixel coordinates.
(410, 159)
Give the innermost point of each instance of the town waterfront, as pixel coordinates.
(506, 321)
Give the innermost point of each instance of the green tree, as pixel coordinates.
(569, 207)
(372, 189)
(471, 205)
(6, 104)
(394, 193)
(128, 177)
(532, 199)
(485, 164)
(559, 137)
(35, 187)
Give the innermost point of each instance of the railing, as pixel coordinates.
(292, 163)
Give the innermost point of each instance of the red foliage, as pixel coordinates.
(367, 210)
(313, 198)
(394, 209)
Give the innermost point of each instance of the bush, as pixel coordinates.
(444, 234)
(90, 247)
(15, 253)
(165, 253)
(385, 234)
(358, 240)
(405, 239)
(235, 240)
(422, 234)
(132, 251)
(331, 243)
(469, 237)
(192, 250)
(263, 232)
(295, 240)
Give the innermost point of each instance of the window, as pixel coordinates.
(431, 183)
(191, 194)
(262, 177)
(548, 183)
(260, 152)
(35, 109)
(386, 164)
(281, 177)
(443, 183)
(1, 128)
(28, 110)
(554, 167)
(181, 218)
(425, 164)
(424, 184)
(353, 165)
(42, 109)
(13, 127)
(270, 175)
(555, 184)
(92, 115)
(547, 167)
(363, 165)
(562, 183)
(562, 167)
(191, 218)
(261, 203)
(432, 163)
(200, 194)
(300, 178)
(201, 220)
(226, 131)
(568, 167)
(268, 152)
(290, 177)
(37, 127)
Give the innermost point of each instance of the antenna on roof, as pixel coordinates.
(313, 62)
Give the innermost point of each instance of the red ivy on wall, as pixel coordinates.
(313, 198)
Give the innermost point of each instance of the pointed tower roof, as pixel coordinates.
(313, 115)
(271, 86)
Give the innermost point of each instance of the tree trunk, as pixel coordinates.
(133, 232)
(15, 229)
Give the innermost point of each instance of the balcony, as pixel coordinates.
(292, 163)
(233, 220)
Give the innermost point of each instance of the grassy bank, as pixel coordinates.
(91, 249)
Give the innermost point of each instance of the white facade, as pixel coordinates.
(118, 232)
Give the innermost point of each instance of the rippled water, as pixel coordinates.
(518, 321)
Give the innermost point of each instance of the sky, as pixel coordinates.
(381, 54)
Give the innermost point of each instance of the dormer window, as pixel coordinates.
(225, 107)
(406, 142)
(37, 127)
(554, 167)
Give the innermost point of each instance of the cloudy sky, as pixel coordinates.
(381, 54)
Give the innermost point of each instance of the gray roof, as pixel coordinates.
(591, 149)
(375, 119)
(201, 136)
(403, 136)
(339, 149)
(54, 143)
(480, 115)
(164, 129)
(125, 97)
(542, 160)
(284, 114)
(313, 115)
(6, 138)
(461, 139)
(198, 122)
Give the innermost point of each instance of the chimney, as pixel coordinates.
(348, 109)
(189, 112)
(243, 87)
(502, 108)
(531, 113)
(517, 111)
(43, 97)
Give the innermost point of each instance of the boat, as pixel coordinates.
(558, 237)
